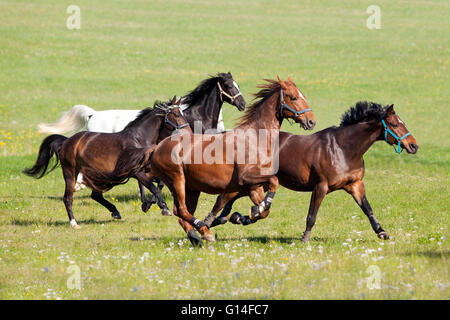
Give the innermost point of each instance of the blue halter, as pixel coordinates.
(284, 105)
(174, 125)
(386, 130)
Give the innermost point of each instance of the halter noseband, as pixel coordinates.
(223, 93)
(166, 119)
(386, 130)
(284, 105)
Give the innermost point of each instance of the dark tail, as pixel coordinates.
(131, 161)
(49, 147)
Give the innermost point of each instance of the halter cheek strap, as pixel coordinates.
(387, 130)
(174, 125)
(285, 106)
(223, 93)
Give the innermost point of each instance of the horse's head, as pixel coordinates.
(395, 132)
(229, 91)
(293, 105)
(173, 118)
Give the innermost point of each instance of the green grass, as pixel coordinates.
(127, 54)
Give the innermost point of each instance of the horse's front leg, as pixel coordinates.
(358, 193)
(319, 192)
(147, 182)
(224, 201)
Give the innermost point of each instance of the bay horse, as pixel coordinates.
(91, 153)
(331, 160)
(232, 168)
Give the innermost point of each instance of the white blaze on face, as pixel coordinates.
(400, 120)
(301, 95)
(236, 86)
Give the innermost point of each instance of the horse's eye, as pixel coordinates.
(293, 98)
(394, 125)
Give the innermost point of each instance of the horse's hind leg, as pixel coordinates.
(358, 193)
(69, 177)
(262, 204)
(98, 196)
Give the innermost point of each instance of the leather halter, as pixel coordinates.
(223, 93)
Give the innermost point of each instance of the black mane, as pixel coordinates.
(363, 111)
(147, 112)
(203, 88)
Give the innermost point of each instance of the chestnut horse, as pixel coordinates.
(92, 153)
(244, 159)
(332, 159)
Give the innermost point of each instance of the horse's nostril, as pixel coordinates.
(311, 123)
(414, 146)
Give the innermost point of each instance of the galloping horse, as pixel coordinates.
(91, 153)
(332, 159)
(203, 104)
(243, 158)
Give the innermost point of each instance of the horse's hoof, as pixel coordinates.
(235, 218)
(383, 235)
(209, 237)
(194, 238)
(146, 206)
(166, 212)
(306, 236)
(74, 225)
(218, 221)
(116, 215)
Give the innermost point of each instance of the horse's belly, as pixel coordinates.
(212, 179)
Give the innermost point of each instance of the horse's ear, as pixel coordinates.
(289, 79)
(281, 82)
(173, 100)
(390, 110)
(178, 102)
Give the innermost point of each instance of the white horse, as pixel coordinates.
(81, 117)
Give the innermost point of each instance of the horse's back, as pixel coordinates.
(110, 121)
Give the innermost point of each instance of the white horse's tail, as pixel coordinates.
(71, 122)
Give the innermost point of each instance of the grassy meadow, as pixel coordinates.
(129, 53)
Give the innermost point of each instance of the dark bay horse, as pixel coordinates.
(91, 153)
(238, 160)
(202, 107)
(332, 159)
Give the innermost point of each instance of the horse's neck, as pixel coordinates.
(207, 111)
(357, 139)
(265, 116)
(146, 132)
